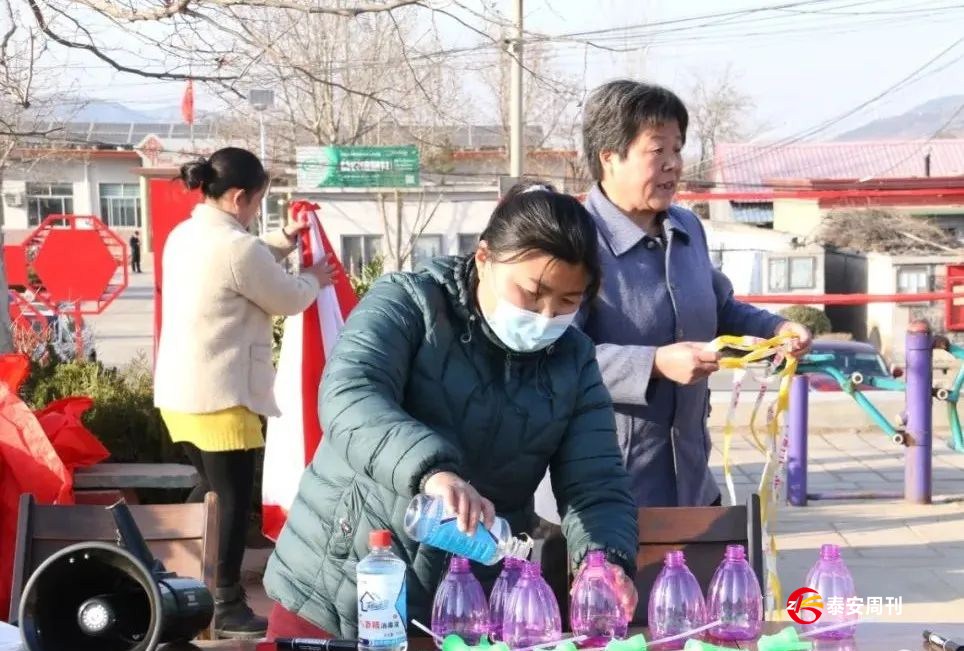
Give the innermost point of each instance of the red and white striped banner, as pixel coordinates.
(307, 342)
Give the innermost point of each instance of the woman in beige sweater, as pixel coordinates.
(214, 374)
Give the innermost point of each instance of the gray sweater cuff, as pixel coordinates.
(626, 371)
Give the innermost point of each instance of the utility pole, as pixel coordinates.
(516, 123)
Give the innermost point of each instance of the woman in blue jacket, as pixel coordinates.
(661, 299)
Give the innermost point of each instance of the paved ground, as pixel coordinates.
(126, 328)
(894, 549)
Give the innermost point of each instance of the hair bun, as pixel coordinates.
(196, 173)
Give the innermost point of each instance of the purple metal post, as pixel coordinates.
(797, 445)
(917, 456)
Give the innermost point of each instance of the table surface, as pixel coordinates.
(870, 637)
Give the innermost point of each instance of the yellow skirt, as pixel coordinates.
(235, 428)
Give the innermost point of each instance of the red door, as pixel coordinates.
(170, 204)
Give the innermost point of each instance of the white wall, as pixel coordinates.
(802, 217)
(881, 279)
(747, 250)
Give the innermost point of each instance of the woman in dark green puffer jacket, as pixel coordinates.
(463, 381)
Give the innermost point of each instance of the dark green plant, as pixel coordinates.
(123, 416)
(369, 274)
(816, 320)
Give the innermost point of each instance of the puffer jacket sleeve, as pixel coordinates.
(589, 479)
(363, 386)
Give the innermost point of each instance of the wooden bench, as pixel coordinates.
(104, 483)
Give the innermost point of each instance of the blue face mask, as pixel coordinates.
(524, 331)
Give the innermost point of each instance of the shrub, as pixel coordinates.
(123, 416)
(816, 320)
(369, 274)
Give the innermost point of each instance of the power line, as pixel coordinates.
(813, 130)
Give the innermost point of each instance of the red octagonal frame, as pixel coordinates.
(76, 258)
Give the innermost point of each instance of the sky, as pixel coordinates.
(804, 64)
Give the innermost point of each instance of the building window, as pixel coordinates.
(426, 247)
(468, 243)
(914, 280)
(803, 273)
(48, 199)
(778, 275)
(120, 205)
(358, 251)
(792, 273)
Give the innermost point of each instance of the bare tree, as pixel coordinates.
(403, 230)
(343, 81)
(550, 97)
(719, 111)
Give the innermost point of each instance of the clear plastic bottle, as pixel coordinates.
(833, 582)
(511, 571)
(532, 612)
(460, 606)
(735, 599)
(427, 522)
(594, 608)
(676, 602)
(382, 612)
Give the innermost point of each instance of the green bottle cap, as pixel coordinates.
(634, 643)
(568, 645)
(453, 642)
(785, 640)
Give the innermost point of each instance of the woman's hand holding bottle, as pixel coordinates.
(462, 500)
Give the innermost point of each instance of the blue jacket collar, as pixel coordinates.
(620, 233)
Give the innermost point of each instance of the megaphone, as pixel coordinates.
(100, 597)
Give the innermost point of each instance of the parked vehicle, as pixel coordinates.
(850, 357)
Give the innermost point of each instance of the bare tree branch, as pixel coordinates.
(719, 110)
(44, 26)
(131, 14)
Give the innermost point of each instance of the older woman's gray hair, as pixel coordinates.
(617, 111)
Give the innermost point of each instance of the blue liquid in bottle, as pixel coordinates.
(427, 522)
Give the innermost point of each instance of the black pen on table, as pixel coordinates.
(942, 643)
(306, 644)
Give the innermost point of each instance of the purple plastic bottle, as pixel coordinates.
(531, 613)
(734, 598)
(833, 581)
(511, 571)
(460, 606)
(676, 603)
(594, 609)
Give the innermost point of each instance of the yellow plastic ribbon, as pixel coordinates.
(770, 356)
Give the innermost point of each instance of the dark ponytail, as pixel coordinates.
(533, 218)
(227, 168)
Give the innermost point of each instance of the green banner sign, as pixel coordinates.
(357, 167)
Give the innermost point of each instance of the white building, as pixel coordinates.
(37, 183)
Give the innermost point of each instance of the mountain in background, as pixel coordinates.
(94, 110)
(939, 118)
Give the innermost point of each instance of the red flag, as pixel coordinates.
(307, 341)
(187, 104)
